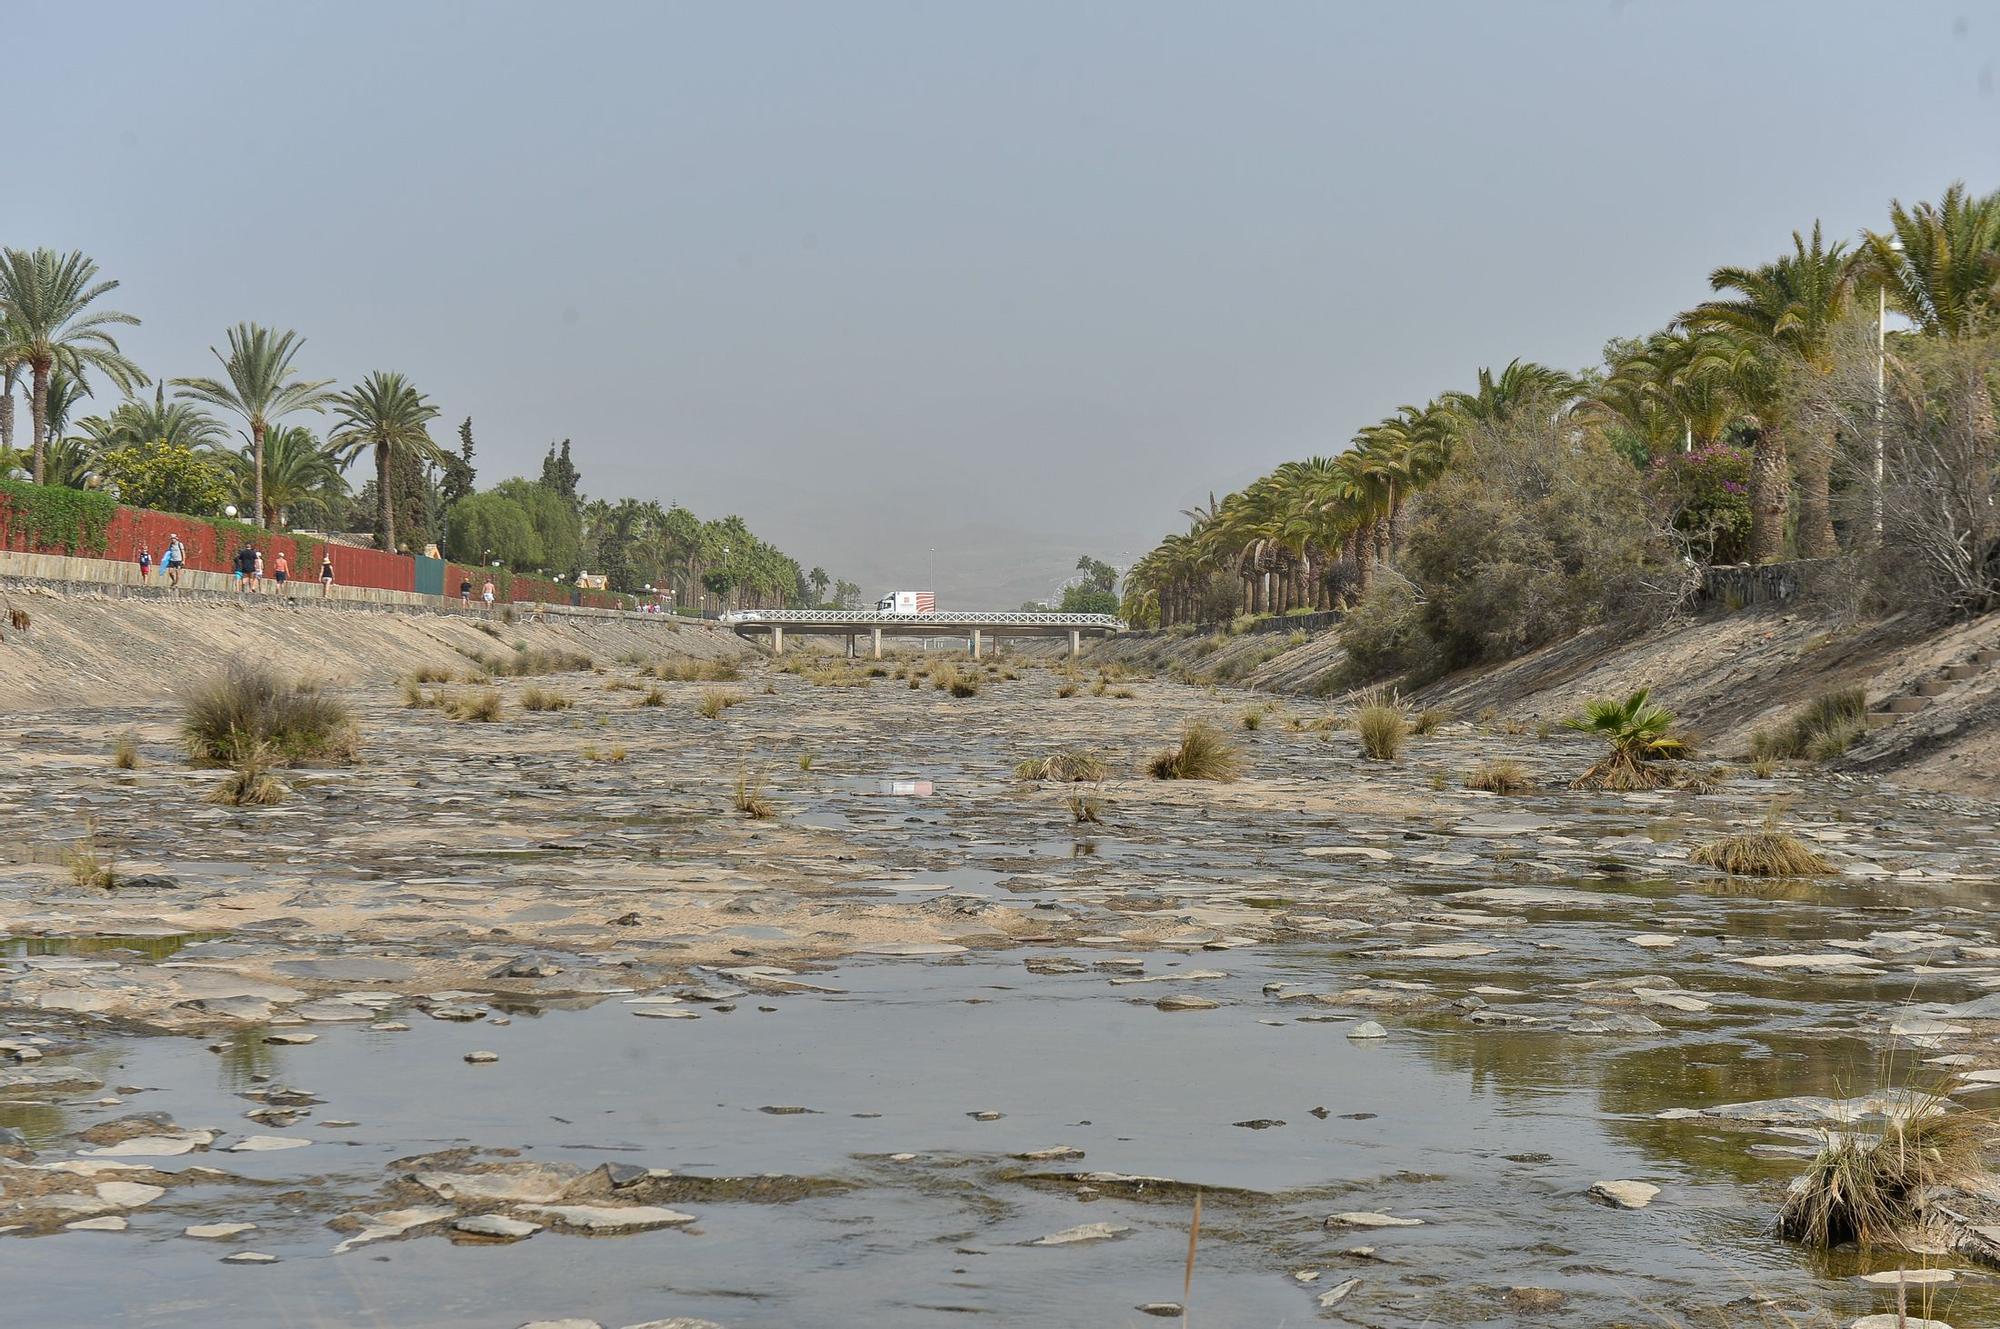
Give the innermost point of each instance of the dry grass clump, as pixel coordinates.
(249, 783)
(1254, 716)
(1086, 808)
(1203, 753)
(541, 699)
(696, 671)
(1872, 1189)
(652, 697)
(524, 662)
(1765, 852)
(750, 798)
(591, 753)
(430, 674)
(1823, 729)
(125, 756)
(1430, 719)
(714, 701)
(481, 706)
(248, 703)
(1500, 776)
(1382, 730)
(1067, 766)
(948, 677)
(1066, 690)
(1763, 767)
(805, 761)
(87, 864)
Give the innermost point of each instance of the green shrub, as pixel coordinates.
(1822, 729)
(247, 703)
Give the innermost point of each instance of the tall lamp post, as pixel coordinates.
(1882, 390)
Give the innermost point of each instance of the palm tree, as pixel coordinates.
(1521, 382)
(1637, 731)
(387, 415)
(10, 374)
(1790, 307)
(134, 421)
(262, 387)
(47, 323)
(1939, 264)
(299, 474)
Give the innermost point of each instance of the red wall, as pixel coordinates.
(211, 547)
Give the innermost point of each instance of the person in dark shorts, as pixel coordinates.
(465, 591)
(325, 573)
(176, 558)
(281, 569)
(246, 564)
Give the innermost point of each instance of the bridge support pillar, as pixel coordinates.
(1075, 643)
(975, 643)
(850, 646)
(876, 635)
(777, 639)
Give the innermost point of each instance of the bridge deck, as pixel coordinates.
(974, 626)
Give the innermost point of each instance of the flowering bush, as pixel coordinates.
(1706, 493)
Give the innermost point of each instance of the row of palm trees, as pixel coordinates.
(1736, 367)
(54, 332)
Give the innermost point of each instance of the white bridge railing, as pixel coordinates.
(869, 618)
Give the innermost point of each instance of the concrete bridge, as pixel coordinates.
(976, 628)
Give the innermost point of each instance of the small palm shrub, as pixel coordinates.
(1500, 777)
(247, 703)
(1068, 766)
(1203, 753)
(1638, 733)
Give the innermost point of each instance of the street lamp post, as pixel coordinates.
(1881, 391)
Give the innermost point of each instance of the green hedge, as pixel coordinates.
(51, 516)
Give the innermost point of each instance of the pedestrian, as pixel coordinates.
(176, 556)
(487, 595)
(246, 559)
(465, 591)
(325, 572)
(281, 570)
(257, 572)
(145, 564)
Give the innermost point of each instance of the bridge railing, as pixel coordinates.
(872, 618)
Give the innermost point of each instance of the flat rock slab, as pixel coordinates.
(217, 1231)
(266, 1144)
(1186, 1002)
(496, 1226)
(1367, 1218)
(155, 1146)
(912, 948)
(1367, 1029)
(1446, 950)
(1624, 1194)
(347, 969)
(333, 1012)
(129, 1194)
(604, 1218)
(249, 1257)
(107, 1223)
(529, 1185)
(1082, 1232)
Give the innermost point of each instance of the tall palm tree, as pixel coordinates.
(387, 415)
(1521, 382)
(10, 374)
(47, 322)
(262, 386)
(1792, 308)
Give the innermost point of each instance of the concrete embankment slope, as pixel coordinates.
(83, 649)
(1724, 675)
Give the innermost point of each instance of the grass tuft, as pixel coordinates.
(248, 703)
(696, 671)
(1766, 852)
(541, 699)
(1430, 719)
(948, 677)
(481, 706)
(125, 756)
(1086, 808)
(1500, 777)
(1382, 730)
(715, 701)
(1203, 753)
(1871, 1189)
(1823, 728)
(750, 798)
(249, 783)
(1067, 766)
(88, 865)
(652, 697)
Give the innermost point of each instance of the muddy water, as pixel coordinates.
(1496, 1100)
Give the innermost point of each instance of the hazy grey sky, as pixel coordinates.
(1016, 280)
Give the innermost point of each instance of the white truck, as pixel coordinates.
(907, 602)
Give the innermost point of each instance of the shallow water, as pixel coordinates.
(1490, 1133)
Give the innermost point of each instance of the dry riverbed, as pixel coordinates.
(522, 1021)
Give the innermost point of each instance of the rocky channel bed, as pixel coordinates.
(493, 1029)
